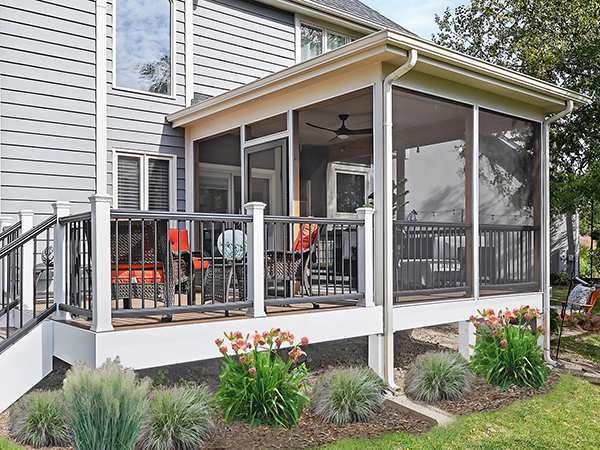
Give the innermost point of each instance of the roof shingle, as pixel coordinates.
(357, 8)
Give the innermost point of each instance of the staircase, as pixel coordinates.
(26, 337)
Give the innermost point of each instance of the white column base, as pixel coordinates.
(377, 354)
(466, 338)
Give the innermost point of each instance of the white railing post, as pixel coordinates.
(6, 222)
(256, 255)
(28, 262)
(101, 290)
(365, 251)
(61, 209)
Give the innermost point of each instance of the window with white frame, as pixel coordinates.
(143, 45)
(316, 40)
(144, 182)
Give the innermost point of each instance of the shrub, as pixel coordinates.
(437, 376)
(179, 418)
(559, 279)
(506, 351)
(107, 406)
(256, 385)
(41, 418)
(348, 395)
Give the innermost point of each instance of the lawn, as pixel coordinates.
(586, 345)
(5, 445)
(568, 417)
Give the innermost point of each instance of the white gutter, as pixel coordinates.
(387, 212)
(545, 281)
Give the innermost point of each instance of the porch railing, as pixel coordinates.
(315, 260)
(78, 260)
(507, 256)
(429, 257)
(25, 264)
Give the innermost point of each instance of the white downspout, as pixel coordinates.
(388, 235)
(545, 281)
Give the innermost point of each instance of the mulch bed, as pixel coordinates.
(311, 431)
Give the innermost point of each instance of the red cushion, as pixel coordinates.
(199, 264)
(306, 236)
(175, 240)
(137, 276)
(136, 271)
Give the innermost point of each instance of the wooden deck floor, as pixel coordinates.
(127, 323)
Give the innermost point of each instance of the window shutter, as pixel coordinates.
(158, 184)
(129, 182)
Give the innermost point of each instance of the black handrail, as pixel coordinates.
(27, 236)
(10, 230)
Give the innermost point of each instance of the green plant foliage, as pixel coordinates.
(506, 350)
(437, 376)
(41, 418)
(559, 279)
(348, 395)
(556, 41)
(179, 418)
(107, 406)
(256, 385)
(554, 322)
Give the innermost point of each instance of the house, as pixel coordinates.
(204, 166)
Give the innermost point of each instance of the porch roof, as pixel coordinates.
(390, 47)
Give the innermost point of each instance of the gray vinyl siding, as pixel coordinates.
(47, 112)
(236, 42)
(136, 120)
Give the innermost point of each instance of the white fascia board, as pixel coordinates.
(391, 46)
(359, 50)
(430, 313)
(434, 54)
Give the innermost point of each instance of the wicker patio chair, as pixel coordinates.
(144, 268)
(294, 265)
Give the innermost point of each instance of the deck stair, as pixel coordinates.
(26, 337)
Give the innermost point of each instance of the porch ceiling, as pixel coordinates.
(378, 53)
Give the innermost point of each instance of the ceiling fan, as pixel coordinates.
(343, 132)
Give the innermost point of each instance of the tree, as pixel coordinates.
(157, 74)
(554, 40)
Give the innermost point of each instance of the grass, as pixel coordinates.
(568, 417)
(586, 345)
(6, 445)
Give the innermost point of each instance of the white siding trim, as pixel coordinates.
(189, 54)
(101, 99)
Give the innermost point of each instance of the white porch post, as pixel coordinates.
(61, 209)
(28, 261)
(101, 305)
(365, 250)
(466, 338)
(256, 264)
(6, 222)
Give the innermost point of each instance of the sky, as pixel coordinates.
(417, 16)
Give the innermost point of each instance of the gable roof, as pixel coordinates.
(360, 10)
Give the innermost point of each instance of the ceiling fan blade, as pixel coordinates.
(332, 139)
(361, 131)
(320, 128)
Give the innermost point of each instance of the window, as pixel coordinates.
(144, 182)
(316, 40)
(143, 45)
(348, 188)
